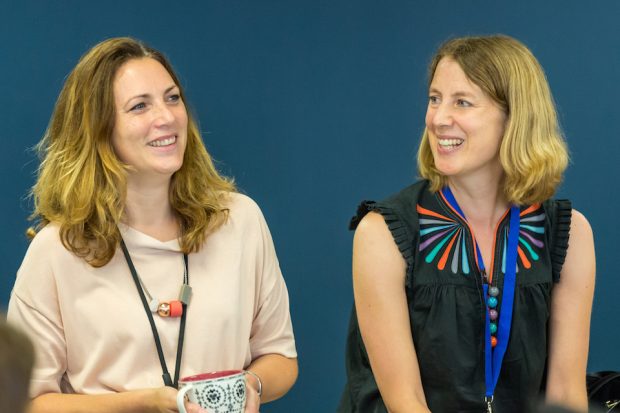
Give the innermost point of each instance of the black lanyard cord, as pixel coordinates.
(177, 365)
(134, 274)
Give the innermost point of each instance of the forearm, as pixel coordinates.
(567, 394)
(277, 375)
(126, 402)
(401, 393)
(407, 406)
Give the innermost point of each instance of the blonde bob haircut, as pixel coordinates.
(533, 153)
(81, 183)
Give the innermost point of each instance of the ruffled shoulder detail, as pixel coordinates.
(364, 208)
(560, 213)
(400, 215)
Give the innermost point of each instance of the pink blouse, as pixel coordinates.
(90, 329)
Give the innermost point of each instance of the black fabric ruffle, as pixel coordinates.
(398, 229)
(561, 235)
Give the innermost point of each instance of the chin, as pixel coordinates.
(167, 171)
(446, 170)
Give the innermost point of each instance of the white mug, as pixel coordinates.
(218, 392)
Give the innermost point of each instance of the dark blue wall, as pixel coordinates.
(312, 106)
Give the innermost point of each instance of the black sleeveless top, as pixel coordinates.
(447, 307)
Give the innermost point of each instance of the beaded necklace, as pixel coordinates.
(184, 297)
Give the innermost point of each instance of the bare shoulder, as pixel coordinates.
(375, 254)
(581, 240)
(580, 227)
(371, 226)
(373, 237)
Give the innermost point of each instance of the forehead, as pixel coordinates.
(449, 74)
(143, 75)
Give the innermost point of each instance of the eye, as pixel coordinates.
(174, 98)
(463, 103)
(138, 107)
(433, 100)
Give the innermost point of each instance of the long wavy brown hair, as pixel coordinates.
(533, 152)
(81, 183)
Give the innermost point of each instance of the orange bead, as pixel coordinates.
(493, 341)
(176, 308)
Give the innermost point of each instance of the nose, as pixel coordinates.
(163, 115)
(440, 115)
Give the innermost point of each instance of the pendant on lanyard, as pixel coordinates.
(183, 300)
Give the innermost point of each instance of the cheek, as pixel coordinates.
(124, 136)
(183, 122)
(499, 120)
(429, 118)
(498, 131)
(180, 114)
(116, 142)
(120, 148)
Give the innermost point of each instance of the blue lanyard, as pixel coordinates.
(493, 358)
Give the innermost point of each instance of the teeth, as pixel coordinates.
(164, 142)
(450, 142)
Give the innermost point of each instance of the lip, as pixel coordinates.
(446, 136)
(446, 149)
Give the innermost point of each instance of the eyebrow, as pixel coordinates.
(455, 94)
(146, 95)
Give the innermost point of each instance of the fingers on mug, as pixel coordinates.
(220, 391)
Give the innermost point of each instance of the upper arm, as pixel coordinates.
(379, 287)
(571, 307)
(272, 330)
(34, 307)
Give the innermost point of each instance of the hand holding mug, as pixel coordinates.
(252, 403)
(218, 392)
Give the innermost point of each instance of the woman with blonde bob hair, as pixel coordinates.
(468, 294)
(145, 264)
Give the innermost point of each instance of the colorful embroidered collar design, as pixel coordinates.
(442, 240)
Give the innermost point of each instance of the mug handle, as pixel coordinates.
(181, 397)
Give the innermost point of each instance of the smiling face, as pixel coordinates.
(465, 126)
(150, 128)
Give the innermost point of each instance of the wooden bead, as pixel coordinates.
(164, 309)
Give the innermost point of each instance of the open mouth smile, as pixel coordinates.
(163, 142)
(450, 143)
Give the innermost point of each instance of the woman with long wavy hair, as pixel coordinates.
(145, 264)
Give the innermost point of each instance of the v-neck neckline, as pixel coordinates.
(485, 271)
(139, 240)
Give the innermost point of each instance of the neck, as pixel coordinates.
(148, 209)
(482, 203)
